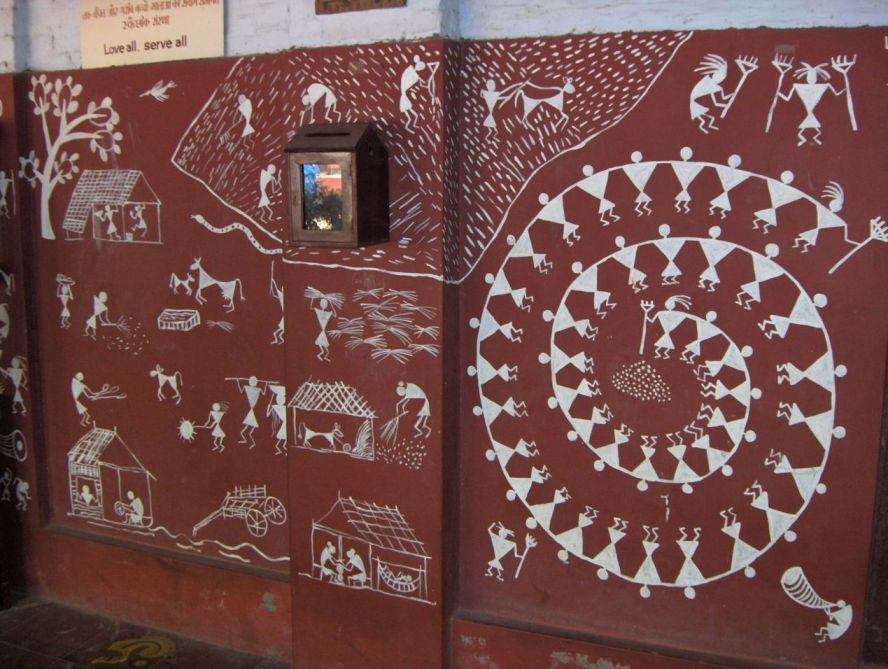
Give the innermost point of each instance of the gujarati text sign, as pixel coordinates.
(125, 33)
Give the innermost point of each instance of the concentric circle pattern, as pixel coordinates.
(662, 407)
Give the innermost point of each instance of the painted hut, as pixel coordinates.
(363, 545)
(105, 479)
(332, 418)
(120, 205)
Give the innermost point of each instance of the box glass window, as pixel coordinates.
(322, 196)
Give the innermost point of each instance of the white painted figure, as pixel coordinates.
(4, 323)
(595, 184)
(522, 247)
(172, 381)
(65, 293)
(329, 564)
(778, 521)
(252, 392)
(328, 304)
(80, 392)
(627, 257)
(781, 194)
(268, 178)
(13, 484)
(670, 247)
(277, 409)
(714, 69)
(6, 480)
(500, 286)
(323, 315)
(22, 496)
(685, 172)
(356, 570)
(763, 270)
(8, 279)
(821, 372)
(730, 177)
(318, 92)
(277, 292)
(494, 99)
(488, 325)
(803, 313)
(17, 373)
(486, 372)
(86, 495)
(813, 84)
(639, 173)
(5, 182)
(245, 109)
(410, 392)
(107, 215)
(253, 389)
(214, 423)
(503, 543)
(134, 511)
(415, 75)
(99, 315)
(137, 213)
(572, 539)
(826, 219)
(553, 212)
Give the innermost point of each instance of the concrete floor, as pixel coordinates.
(37, 634)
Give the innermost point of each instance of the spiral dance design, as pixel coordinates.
(664, 407)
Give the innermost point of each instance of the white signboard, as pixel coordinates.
(125, 33)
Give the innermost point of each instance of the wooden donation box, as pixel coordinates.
(337, 179)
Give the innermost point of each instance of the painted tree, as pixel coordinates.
(96, 125)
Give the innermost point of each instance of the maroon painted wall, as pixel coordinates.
(178, 476)
(675, 344)
(87, 554)
(616, 377)
(380, 356)
(157, 370)
(19, 450)
(492, 646)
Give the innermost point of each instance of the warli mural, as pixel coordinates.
(669, 250)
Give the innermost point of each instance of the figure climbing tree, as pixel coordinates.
(97, 125)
